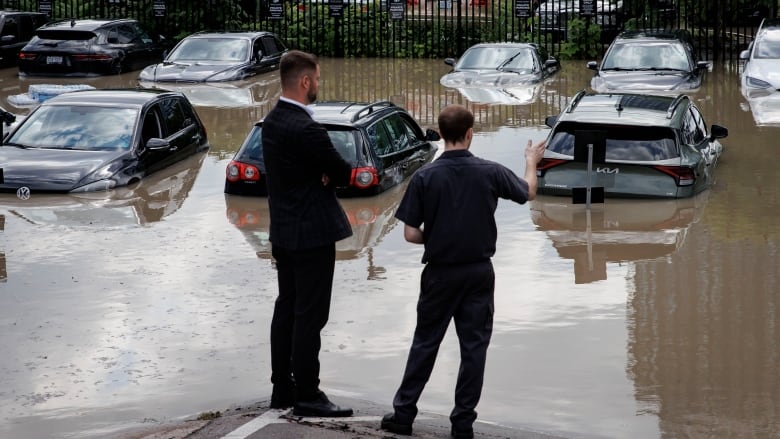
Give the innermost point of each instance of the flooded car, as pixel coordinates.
(653, 147)
(759, 80)
(89, 47)
(500, 73)
(651, 61)
(218, 57)
(95, 140)
(259, 90)
(382, 141)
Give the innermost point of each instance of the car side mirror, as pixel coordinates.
(449, 61)
(552, 62)
(432, 135)
(157, 144)
(550, 121)
(703, 65)
(718, 132)
(744, 54)
(592, 65)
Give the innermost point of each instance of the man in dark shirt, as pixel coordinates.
(302, 168)
(449, 207)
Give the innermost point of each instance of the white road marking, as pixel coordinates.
(273, 416)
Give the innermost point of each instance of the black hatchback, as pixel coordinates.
(382, 141)
(89, 47)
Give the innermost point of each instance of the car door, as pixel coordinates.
(394, 149)
(10, 42)
(124, 38)
(177, 130)
(698, 139)
(272, 53)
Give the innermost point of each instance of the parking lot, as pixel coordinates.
(640, 319)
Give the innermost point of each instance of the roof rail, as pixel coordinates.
(677, 100)
(575, 100)
(370, 109)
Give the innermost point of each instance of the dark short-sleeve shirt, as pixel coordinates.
(455, 198)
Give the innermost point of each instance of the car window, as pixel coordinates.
(10, 27)
(81, 127)
(345, 143)
(58, 34)
(412, 132)
(767, 48)
(697, 129)
(141, 34)
(629, 143)
(397, 131)
(152, 127)
(379, 139)
(126, 34)
(174, 116)
(26, 27)
(270, 46)
(645, 56)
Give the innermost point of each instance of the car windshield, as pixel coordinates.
(625, 143)
(506, 58)
(77, 127)
(211, 50)
(767, 48)
(644, 56)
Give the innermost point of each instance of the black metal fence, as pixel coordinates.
(575, 29)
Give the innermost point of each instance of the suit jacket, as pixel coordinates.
(297, 152)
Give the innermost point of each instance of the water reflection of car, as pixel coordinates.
(217, 57)
(371, 218)
(97, 140)
(656, 146)
(146, 201)
(651, 61)
(89, 47)
(616, 231)
(256, 91)
(382, 141)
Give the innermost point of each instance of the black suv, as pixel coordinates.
(382, 141)
(16, 29)
(89, 47)
(655, 60)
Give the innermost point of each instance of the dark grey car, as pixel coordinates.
(217, 57)
(649, 61)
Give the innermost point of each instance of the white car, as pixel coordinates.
(761, 73)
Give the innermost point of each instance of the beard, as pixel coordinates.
(311, 96)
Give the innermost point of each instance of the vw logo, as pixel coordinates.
(23, 193)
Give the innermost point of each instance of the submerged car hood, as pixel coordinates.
(644, 80)
(487, 78)
(51, 169)
(184, 72)
(766, 70)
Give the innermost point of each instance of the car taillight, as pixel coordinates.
(92, 57)
(546, 164)
(237, 171)
(27, 56)
(683, 175)
(364, 177)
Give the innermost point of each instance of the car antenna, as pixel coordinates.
(619, 105)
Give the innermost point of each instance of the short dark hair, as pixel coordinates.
(295, 63)
(454, 121)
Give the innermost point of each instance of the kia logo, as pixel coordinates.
(608, 170)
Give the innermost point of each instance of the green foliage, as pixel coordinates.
(583, 40)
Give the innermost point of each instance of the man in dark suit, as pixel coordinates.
(302, 169)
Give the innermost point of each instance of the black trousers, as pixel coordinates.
(463, 293)
(301, 311)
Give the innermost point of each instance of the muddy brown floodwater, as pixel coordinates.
(658, 320)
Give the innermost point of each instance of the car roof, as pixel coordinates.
(624, 109)
(654, 34)
(351, 113)
(87, 24)
(130, 97)
(235, 34)
(518, 45)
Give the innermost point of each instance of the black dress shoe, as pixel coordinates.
(390, 424)
(321, 407)
(462, 434)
